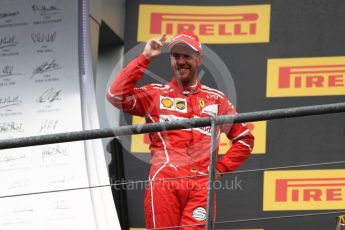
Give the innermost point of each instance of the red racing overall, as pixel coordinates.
(179, 153)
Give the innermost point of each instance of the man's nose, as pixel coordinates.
(180, 60)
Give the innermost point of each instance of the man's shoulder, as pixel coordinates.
(212, 91)
(154, 86)
(215, 94)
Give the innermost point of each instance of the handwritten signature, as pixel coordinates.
(19, 184)
(53, 151)
(23, 210)
(12, 158)
(50, 95)
(8, 71)
(40, 38)
(43, 10)
(61, 205)
(9, 101)
(60, 179)
(8, 14)
(48, 125)
(11, 127)
(8, 42)
(46, 67)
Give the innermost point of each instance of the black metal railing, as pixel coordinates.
(178, 124)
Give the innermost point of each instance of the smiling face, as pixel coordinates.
(185, 62)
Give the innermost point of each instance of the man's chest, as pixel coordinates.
(177, 106)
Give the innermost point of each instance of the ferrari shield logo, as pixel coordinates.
(201, 102)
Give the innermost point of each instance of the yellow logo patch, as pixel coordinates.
(181, 105)
(201, 102)
(167, 102)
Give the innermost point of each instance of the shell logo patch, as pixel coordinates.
(173, 104)
(167, 102)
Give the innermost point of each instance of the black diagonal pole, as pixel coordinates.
(211, 177)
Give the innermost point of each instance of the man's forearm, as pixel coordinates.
(128, 78)
(237, 154)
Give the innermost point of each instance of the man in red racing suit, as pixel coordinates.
(179, 153)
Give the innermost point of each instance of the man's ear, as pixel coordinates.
(199, 59)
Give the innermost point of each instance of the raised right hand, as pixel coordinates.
(154, 46)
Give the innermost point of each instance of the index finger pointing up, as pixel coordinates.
(163, 38)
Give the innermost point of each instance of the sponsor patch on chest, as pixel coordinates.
(211, 110)
(174, 104)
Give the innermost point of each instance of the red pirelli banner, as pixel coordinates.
(304, 190)
(213, 24)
